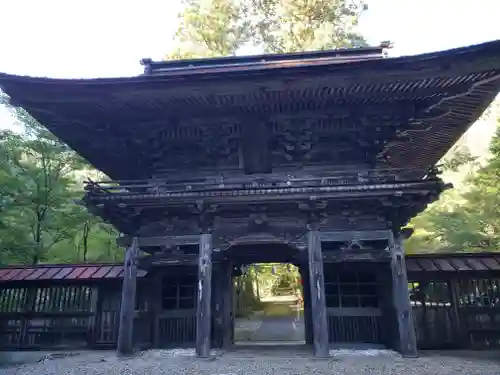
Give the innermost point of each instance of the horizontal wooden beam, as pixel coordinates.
(353, 311)
(167, 259)
(168, 241)
(345, 236)
(356, 255)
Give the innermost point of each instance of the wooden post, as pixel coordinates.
(203, 312)
(406, 337)
(218, 305)
(306, 290)
(459, 329)
(155, 305)
(227, 308)
(127, 309)
(95, 306)
(318, 303)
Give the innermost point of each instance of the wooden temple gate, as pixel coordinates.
(455, 301)
(318, 159)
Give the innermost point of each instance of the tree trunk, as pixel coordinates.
(38, 243)
(86, 232)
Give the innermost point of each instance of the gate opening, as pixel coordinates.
(269, 305)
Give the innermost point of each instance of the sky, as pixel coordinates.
(108, 38)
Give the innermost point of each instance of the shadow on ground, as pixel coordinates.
(486, 355)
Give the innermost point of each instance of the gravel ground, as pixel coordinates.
(259, 362)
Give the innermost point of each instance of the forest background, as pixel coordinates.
(40, 177)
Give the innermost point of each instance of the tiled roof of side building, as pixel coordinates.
(453, 262)
(415, 263)
(63, 272)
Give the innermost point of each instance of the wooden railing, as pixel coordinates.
(44, 330)
(177, 328)
(354, 325)
(284, 180)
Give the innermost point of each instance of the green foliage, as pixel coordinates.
(467, 218)
(209, 28)
(39, 220)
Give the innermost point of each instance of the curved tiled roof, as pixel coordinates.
(118, 124)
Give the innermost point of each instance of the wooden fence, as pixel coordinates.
(457, 313)
(450, 309)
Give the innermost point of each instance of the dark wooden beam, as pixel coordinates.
(127, 311)
(350, 255)
(357, 255)
(406, 340)
(166, 259)
(318, 301)
(204, 298)
(362, 235)
(167, 241)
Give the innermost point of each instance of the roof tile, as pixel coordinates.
(77, 271)
(115, 271)
(13, 273)
(476, 264)
(65, 271)
(101, 272)
(427, 265)
(412, 265)
(444, 265)
(37, 274)
(24, 274)
(52, 271)
(491, 263)
(460, 265)
(89, 271)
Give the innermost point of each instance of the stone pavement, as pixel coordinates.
(262, 361)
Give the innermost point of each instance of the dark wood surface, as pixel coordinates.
(407, 340)
(204, 297)
(195, 123)
(127, 311)
(318, 300)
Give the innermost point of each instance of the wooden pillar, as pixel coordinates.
(318, 303)
(95, 309)
(218, 305)
(406, 338)
(127, 309)
(203, 312)
(306, 290)
(155, 305)
(227, 307)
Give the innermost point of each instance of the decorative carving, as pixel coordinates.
(237, 231)
(221, 145)
(295, 141)
(353, 244)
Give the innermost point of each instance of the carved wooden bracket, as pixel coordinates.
(206, 215)
(315, 212)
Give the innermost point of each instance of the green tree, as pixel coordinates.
(209, 28)
(42, 166)
(468, 218)
(39, 220)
